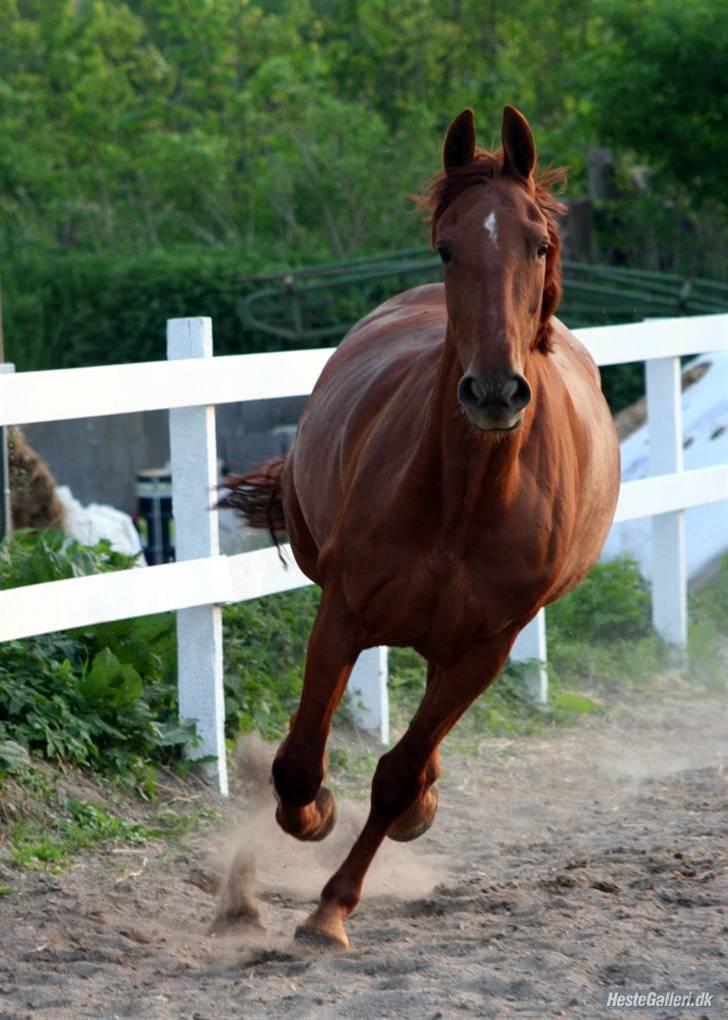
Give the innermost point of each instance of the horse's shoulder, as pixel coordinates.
(418, 306)
(429, 295)
(569, 352)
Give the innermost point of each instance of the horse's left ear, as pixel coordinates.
(460, 141)
(519, 148)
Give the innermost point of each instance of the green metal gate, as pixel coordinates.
(317, 305)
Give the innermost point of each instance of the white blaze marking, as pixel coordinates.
(492, 227)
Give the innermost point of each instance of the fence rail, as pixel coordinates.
(192, 382)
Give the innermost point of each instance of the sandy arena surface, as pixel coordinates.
(558, 868)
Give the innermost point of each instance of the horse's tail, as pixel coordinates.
(257, 497)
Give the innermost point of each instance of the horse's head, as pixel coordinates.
(494, 228)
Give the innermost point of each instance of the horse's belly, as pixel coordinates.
(438, 605)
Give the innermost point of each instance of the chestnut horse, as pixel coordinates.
(456, 468)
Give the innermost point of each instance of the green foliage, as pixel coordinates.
(571, 702)
(612, 602)
(105, 697)
(80, 825)
(73, 825)
(711, 604)
(623, 385)
(63, 702)
(242, 125)
(31, 557)
(612, 667)
(600, 635)
(13, 756)
(657, 86)
(708, 631)
(153, 153)
(222, 124)
(69, 309)
(265, 649)
(102, 697)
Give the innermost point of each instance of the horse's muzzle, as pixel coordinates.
(494, 406)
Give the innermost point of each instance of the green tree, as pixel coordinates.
(72, 76)
(659, 87)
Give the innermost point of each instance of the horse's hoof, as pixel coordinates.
(323, 930)
(417, 819)
(311, 823)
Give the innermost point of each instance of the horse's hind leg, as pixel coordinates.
(419, 816)
(306, 809)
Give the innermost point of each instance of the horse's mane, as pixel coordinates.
(445, 187)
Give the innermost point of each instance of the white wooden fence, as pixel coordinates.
(191, 382)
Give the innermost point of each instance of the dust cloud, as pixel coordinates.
(260, 862)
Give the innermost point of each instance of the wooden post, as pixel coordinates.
(193, 452)
(669, 573)
(530, 647)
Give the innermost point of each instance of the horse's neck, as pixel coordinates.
(477, 474)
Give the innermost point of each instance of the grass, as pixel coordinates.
(45, 826)
(82, 826)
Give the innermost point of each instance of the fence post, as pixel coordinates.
(370, 694)
(530, 645)
(193, 454)
(669, 573)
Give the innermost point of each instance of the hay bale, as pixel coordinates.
(33, 499)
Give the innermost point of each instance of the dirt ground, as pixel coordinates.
(558, 868)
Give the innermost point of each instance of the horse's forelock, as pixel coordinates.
(447, 185)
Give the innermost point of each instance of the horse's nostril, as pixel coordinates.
(519, 392)
(470, 391)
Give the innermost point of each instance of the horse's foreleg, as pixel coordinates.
(306, 809)
(403, 779)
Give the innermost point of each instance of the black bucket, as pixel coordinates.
(154, 520)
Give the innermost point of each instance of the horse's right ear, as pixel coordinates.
(460, 141)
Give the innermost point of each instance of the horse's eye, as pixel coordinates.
(444, 252)
(543, 250)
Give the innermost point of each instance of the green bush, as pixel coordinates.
(69, 309)
(600, 635)
(265, 651)
(708, 631)
(64, 703)
(100, 697)
(612, 602)
(105, 697)
(32, 557)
